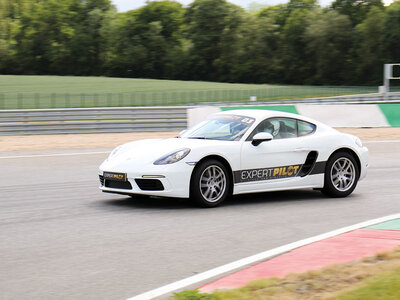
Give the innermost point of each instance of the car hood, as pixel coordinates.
(147, 151)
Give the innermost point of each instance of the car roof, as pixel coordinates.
(262, 114)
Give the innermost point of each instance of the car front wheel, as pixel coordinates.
(341, 175)
(210, 184)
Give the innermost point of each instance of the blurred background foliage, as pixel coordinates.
(209, 40)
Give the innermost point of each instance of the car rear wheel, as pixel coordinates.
(210, 184)
(341, 175)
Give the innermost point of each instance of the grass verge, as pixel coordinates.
(69, 91)
(375, 277)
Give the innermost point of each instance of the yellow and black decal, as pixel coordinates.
(114, 176)
(266, 173)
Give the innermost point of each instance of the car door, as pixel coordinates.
(277, 163)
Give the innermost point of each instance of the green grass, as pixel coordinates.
(71, 84)
(69, 91)
(385, 286)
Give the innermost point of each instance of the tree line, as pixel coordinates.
(210, 40)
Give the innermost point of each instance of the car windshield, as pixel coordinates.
(221, 127)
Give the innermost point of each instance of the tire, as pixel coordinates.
(210, 184)
(341, 175)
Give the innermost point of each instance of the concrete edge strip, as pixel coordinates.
(107, 152)
(54, 154)
(381, 141)
(254, 258)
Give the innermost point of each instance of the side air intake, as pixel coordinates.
(309, 163)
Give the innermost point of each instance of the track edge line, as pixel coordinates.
(255, 258)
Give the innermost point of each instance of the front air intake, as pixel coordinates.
(149, 184)
(114, 184)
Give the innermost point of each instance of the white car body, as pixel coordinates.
(272, 165)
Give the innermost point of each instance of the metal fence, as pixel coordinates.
(92, 120)
(131, 119)
(168, 98)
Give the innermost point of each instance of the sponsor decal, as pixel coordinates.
(114, 176)
(266, 173)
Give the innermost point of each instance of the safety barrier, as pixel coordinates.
(92, 120)
(335, 111)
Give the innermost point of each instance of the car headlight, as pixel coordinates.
(358, 142)
(115, 152)
(172, 157)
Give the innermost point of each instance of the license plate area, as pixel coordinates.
(115, 176)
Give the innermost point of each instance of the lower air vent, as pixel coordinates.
(150, 184)
(101, 180)
(124, 185)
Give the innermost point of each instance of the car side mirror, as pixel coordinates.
(261, 137)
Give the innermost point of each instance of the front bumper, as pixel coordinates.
(166, 181)
(364, 156)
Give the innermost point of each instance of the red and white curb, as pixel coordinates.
(253, 259)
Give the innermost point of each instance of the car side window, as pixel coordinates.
(305, 128)
(284, 128)
(280, 128)
(264, 126)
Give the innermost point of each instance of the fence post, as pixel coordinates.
(52, 101)
(109, 99)
(19, 100)
(2, 101)
(67, 100)
(36, 101)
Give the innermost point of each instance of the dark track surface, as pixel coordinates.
(61, 238)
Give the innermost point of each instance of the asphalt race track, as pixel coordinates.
(61, 238)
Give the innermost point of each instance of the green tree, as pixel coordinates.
(169, 56)
(257, 59)
(147, 42)
(87, 44)
(328, 37)
(11, 12)
(4, 34)
(212, 29)
(58, 36)
(291, 18)
(41, 41)
(297, 63)
(369, 60)
(278, 13)
(391, 34)
(356, 10)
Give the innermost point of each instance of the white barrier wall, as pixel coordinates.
(342, 115)
(198, 114)
(335, 115)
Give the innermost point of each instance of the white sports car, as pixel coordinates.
(236, 152)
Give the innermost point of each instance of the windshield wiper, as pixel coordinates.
(197, 137)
